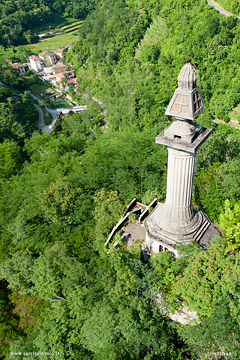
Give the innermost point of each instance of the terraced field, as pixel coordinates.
(153, 34)
(74, 28)
(71, 27)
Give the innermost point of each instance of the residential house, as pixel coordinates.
(59, 68)
(8, 61)
(70, 74)
(48, 58)
(70, 77)
(20, 68)
(71, 82)
(36, 63)
(58, 79)
(58, 53)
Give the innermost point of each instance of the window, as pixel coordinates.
(160, 248)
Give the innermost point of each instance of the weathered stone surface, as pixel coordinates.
(133, 232)
(130, 206)
(177, 143)
(187, 101)
(177, 221)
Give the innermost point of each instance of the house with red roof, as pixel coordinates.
(59, 53)
(70, 74)
(48, 58)
(59, 68)
(72, 82)
(20, 68)
(8, 61)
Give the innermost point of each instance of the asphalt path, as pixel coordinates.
(54, 113)
(220, 9)
(41, 123)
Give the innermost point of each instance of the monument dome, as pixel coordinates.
(187, 77)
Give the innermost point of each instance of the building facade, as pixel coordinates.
(36, 63)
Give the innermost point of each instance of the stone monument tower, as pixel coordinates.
(177, 221)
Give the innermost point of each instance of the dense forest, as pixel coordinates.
(62, 292)
(18, 18)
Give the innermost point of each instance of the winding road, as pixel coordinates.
(220, 9)
(54, 113)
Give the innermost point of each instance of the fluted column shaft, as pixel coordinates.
(180, 178)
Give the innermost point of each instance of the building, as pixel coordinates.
(59, 68)
(176, 221)
(59, 77)
(59, 53)
(8, 61)
(71, 82)
(36, 63)
(20, 68)
(70, 74)
(48, 58)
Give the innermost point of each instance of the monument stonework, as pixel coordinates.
(177, 221)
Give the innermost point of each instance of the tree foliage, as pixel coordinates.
(61, 194)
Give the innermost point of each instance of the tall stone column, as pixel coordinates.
(180, 177)
(177, 221)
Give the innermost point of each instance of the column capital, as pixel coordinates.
(177, 143)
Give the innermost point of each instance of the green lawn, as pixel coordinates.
(37, 90)
(52, 43)
(61, 103)
(40, 89)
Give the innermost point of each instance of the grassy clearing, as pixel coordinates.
(38, 89)
(52, 43)
(61, 103)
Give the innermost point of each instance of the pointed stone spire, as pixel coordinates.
(187, 101)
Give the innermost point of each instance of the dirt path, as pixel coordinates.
(232, 123)
(221, 9)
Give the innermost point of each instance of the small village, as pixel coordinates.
(50, 67)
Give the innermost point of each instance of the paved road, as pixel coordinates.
(35, 97)
(221, 9)
(54, 113)
(41, 123)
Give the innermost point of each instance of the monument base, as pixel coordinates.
(159, 239)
